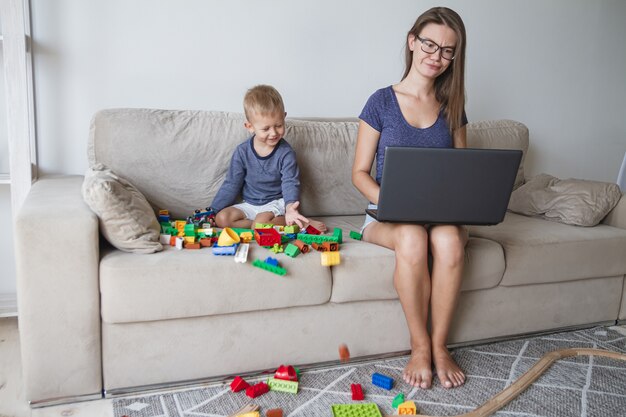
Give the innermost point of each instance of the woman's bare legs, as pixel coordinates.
(447, 244)
(413, 285)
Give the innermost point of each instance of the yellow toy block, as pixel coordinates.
(189, 239)
(250, 414)
(246, 237)
(330, 258)
(407, 408)
(180, 225)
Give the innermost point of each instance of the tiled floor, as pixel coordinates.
(12, 402)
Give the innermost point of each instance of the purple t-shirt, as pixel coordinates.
(382, 112)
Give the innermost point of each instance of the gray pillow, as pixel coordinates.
(570, 201)
(127, 220)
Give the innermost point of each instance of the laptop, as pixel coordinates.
(446, 185)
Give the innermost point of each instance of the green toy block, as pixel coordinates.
(270, 268)
(190, 229)
(355, 235)
(240, 230)
(356, 410)
(338, 233)
(263, 226)
(283, 385)
(292, 230)
(292, 250)
(284, 239)
(308, 239)
(399, 399)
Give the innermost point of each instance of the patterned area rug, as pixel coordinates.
(581, 386)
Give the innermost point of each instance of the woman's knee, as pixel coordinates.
(448, 245)
(411, 243)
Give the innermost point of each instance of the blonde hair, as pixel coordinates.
(263, 99)
(449, 86)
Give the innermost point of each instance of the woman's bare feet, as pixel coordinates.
(418, 372)
(449, 373)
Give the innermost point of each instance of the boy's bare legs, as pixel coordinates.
(232, 217)
(448, 249)
(412, 283)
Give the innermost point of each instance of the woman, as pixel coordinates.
(425, 109)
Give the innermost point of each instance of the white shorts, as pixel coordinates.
(369, 219)
(250, 211)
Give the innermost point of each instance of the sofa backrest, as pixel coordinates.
(178, 159)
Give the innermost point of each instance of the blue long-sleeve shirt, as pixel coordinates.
(260, 179)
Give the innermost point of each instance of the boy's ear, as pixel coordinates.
(248, 126)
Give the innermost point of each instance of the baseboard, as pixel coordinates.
(8, 305)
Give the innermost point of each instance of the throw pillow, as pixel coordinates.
(570, 201)
(127, 220)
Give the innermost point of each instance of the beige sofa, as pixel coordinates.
(95, 320)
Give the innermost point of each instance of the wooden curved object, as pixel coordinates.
(509, 393)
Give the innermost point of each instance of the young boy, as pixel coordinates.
(263, 169)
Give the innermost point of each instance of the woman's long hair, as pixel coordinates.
(449, 86)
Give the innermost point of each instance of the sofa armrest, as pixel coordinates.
(617, 216)
(57, 256)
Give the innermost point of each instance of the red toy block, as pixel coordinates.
(238, 384)
(312, 230)
(274, 412)
(287, 373)
(267, 237)
(357, 392)
(257, 390)
(344, 353)
(330, 246)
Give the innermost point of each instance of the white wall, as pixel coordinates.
(558, 66)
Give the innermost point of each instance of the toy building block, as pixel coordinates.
(282, 385)
(180, 225)
(189, 239)
(330, 258)
(270, 268)
(238, 384)
(286, 373)
(250, 414)
(399, 399)
(357, 392)
(382, 381)
(279, 228)
(304, 248)
(192, 245)
(356, 410)
(355, 235)
(190, 229)
(206, 242)
(179, 243)
(164, 216)
(271, 261)
(338, 233)
(276, 248)
(228, 237)
(310, 230)
(165, 239)
(292, 250)
(224, 250)
(407, 408)
(241, 255)
(257, 390)
(248, 408)
(318, 247)
(263, 226)
(292, 229)
(315, 238)
(330, 246)
(344, 353)
(246, 237)
(267, 237)
(274, 412)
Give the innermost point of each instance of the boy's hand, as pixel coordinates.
(292, 215)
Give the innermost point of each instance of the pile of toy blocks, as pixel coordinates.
(198, 231)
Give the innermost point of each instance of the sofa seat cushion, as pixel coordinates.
(542, 251)
(366, 270)
(189, 283)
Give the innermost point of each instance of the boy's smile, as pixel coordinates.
(268, 130)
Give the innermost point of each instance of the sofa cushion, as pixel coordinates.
(500, 134)
(570, 201)
(126, 219)
(191, 283)
(541, 251)
(366, 270)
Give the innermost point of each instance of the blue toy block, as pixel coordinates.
(382, 381)
(224, 250)
(271, 261)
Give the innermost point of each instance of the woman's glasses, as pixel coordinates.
(431, 47)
